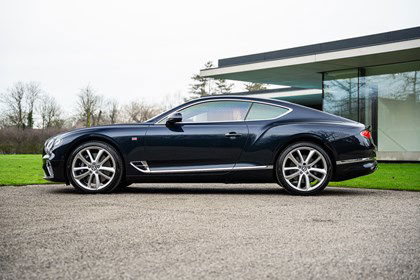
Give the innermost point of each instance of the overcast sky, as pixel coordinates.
(150, 49)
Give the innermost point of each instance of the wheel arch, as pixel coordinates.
(307, 138)
(93, 137)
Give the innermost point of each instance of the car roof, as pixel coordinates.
(245, 98)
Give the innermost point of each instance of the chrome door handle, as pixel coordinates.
(233, 134)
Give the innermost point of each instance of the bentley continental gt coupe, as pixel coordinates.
(229, 139)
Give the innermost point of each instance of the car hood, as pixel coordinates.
(99, 128)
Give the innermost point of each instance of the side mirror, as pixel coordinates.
(174, 118)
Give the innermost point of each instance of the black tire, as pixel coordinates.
(285, 167)
(116, 178)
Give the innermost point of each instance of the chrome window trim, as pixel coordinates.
(356, 160)
(234, 168)
(289, 110)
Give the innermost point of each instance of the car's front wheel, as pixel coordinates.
(304, 168)
(95, 167)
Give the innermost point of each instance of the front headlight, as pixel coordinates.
(57, 142)
(52, 143)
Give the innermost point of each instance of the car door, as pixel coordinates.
(210, 138)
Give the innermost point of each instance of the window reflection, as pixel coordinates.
(398, 106)
(340, 94)
(385, 97)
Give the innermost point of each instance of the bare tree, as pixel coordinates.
(344, 105)
(97, 118)
(50, 112)
(138, 111)
(33, 92)
(113, 111)
(88, 106)
(3, 121)
(14, 101)
(172, 100)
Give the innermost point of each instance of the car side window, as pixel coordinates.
(216, 111)
(260, 111)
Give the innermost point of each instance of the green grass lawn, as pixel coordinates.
(21, 170)
(26, 170)
(391, 176)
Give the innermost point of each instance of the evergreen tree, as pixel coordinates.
(255, 87)
(202, 86)
(223, 87)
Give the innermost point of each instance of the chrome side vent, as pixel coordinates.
(140, 166)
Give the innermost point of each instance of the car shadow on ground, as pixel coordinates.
(228, 190)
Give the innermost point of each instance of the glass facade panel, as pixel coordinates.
(387, 98)
(341, 93)
(368, 105)
(398, 90)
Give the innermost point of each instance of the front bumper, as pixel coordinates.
(53, 168)
(349, 169)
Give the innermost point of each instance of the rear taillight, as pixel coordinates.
(367, 134)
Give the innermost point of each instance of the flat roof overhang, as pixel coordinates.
(303, 96)
(307, 97)
(303, 66)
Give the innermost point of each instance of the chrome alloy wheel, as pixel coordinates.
(304, 169)
(93, 168)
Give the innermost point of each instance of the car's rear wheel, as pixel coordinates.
(304, 168)
(95, 167)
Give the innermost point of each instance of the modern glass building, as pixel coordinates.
(372, 79)
(386, 97)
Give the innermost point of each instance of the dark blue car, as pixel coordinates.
(216, 139)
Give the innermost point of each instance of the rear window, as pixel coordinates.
(264, 112)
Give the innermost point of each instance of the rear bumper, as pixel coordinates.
(349, 169)
(53, 169)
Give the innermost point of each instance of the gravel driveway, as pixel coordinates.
(208, 231)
